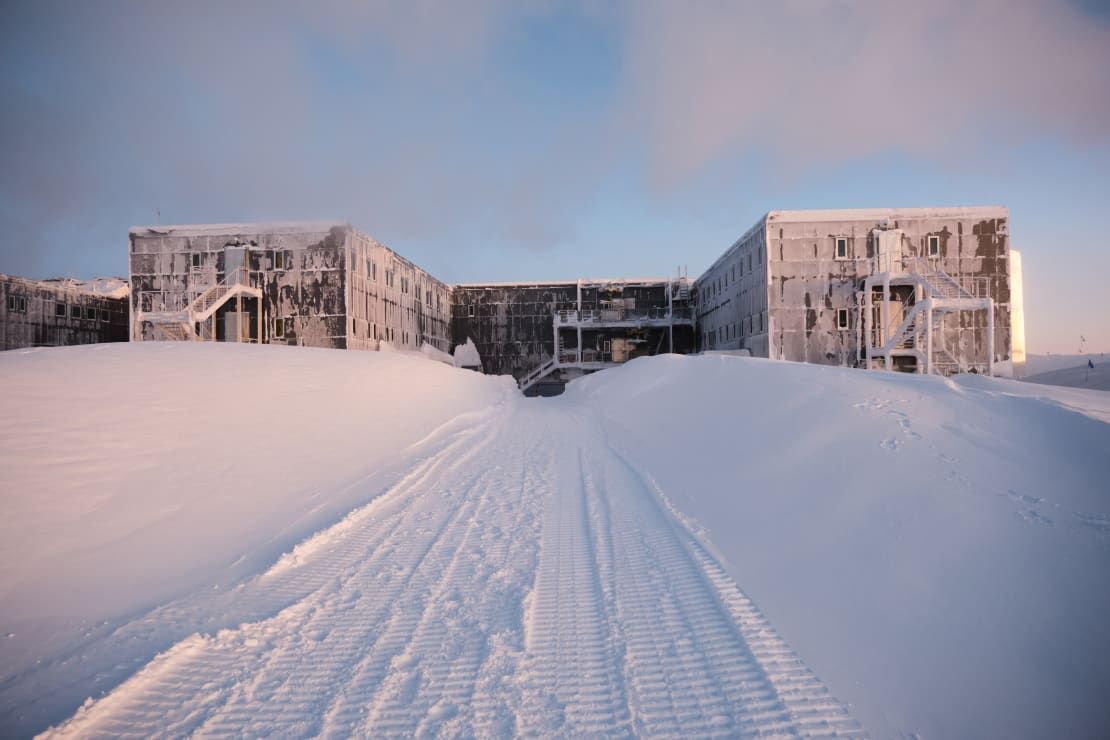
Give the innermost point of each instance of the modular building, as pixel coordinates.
(914, 289)
(311, 284)
(545, 334)
(61, 312)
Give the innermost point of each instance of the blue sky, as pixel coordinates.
(497, 140)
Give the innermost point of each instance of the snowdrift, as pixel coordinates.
(936, 550)
(136, 473)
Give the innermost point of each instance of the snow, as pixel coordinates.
(466, 355)
(275, 227)
(875, 214)
(110, 287)
(932, 548)
(222, 539)
(1096, 378)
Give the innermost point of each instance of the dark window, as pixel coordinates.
(196, 260)
(75, 312)
(841, 248)
(104, 314)
(60, 310)
(279, 260)
(279, 328)
(934, 245)
(842, 319)
(470, 311)
(90, 314)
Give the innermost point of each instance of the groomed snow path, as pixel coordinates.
(522, 579)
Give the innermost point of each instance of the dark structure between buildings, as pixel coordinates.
(917, 290)
(61, 312)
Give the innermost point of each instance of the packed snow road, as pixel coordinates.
(523, 578)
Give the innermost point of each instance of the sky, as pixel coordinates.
(495, 140)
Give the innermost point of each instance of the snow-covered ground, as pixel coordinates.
(251, 540)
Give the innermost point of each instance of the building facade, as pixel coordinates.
(918, 290)
(544, 334)
(311, 284)
(57, 313)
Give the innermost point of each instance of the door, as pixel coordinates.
(889, 243)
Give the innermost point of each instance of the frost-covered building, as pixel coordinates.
(912, 289)
(61, 311)
(545, 334)
(311, 284)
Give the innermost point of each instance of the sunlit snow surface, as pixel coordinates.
(261, 540)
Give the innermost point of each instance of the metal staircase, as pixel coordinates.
(193, 323)
(903, 309)
(538, 374)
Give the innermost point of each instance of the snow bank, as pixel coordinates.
(466, 355)
(936, 550)
(135, 473)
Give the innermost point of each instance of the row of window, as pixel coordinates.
(75, 312)
(932, 246)
(18, 304)
(718, 286)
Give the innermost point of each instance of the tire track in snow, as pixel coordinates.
(574, 684)
(262, 675)
(756, 671)
(524, 579)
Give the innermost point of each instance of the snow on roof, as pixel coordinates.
(584, 281)
(277, 227)
(875, 214)
(106, 287)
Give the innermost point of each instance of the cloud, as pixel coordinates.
(812, 82)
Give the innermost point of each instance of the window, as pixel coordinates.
(607, 346)
(470, 311)
(760, 255)
(374, 271)
(749, 261)
(196, 260)
(18, 304)
(90, 314)
(104, 314)
(934, 245)
(60, 310)
(841, 247)
(75, 312)
(279, 328)
(842, 319)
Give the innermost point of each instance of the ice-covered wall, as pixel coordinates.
(300, 268)
(323, 284)
(35, 313)
(512, 324)
(393, 300)
(809, 282)
(732, 297)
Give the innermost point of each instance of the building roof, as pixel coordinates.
(278, 227)
(593, 282)
(875, 214)
(104, 287)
